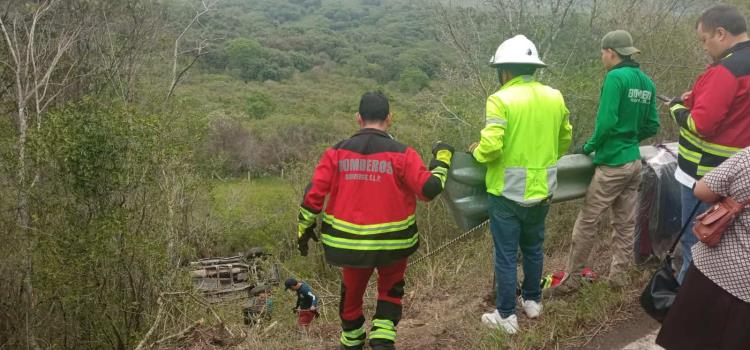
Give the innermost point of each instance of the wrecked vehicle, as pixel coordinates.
(219, 276)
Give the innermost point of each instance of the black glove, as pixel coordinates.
(439, 146)
(305, 237)
(676, 101)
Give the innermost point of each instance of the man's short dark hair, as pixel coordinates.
(723, 16)
(517, 69)
(373, 106)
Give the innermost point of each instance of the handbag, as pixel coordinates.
(710, 226)
(661, 290)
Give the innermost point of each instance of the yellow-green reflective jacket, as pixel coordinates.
(527, 130)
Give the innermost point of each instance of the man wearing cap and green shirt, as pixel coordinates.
(627, 115)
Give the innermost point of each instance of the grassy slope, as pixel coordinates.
(253, 210)
(445, 295)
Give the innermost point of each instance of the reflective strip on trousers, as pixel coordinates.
(383, 329)
(387, 324)
(354, 337)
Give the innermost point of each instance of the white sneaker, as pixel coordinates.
(531, 308)
(494, 320)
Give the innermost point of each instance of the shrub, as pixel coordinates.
(259, 105)
(413, 79)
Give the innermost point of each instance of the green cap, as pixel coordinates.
(620, 41)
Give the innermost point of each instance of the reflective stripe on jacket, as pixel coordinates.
(372, 183)
(527, 130)
(715, 119)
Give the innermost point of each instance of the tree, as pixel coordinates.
(196, 52)
(37, 56)
(259, 105)
(127, 33)
(245, 58)
(567, 34)
(248, 60)
(413, 79)
(307, 3)
(284, 12)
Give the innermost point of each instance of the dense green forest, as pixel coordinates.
(138, 135)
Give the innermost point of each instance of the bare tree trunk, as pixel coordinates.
(22, 200)
(198, 51)
(33, 61)
(24, 237)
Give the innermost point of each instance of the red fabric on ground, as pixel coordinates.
(355, 281)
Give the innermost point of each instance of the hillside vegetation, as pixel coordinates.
(139, 135)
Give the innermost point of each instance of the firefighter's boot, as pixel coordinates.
(383, 333)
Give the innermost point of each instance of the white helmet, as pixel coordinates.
(517, 50)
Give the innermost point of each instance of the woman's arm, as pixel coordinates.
(702, 192)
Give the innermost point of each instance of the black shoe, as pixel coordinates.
(382, 346)
(344, 347)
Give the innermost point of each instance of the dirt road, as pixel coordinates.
(638, 333)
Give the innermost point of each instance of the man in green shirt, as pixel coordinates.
(627, 115)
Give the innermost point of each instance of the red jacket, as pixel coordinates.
(372, 183)
(715, 120)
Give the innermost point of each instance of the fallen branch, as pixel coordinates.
(213, 312)
(265, 330)
(159, 315)
(181, 334)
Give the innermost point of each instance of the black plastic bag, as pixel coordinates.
(660, 292)
(662, 289)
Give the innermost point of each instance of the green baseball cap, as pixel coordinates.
(620, 41)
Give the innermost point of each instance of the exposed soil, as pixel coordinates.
(200, 337)
(625, 333)
(428, 322)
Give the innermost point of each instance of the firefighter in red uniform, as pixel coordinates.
(373, 183)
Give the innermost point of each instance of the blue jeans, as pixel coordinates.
(688, 239)
(513, 225)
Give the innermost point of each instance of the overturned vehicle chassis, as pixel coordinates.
(221, 276)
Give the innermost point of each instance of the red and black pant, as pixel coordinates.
(387, 311)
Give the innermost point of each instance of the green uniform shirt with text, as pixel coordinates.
(627, 115)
